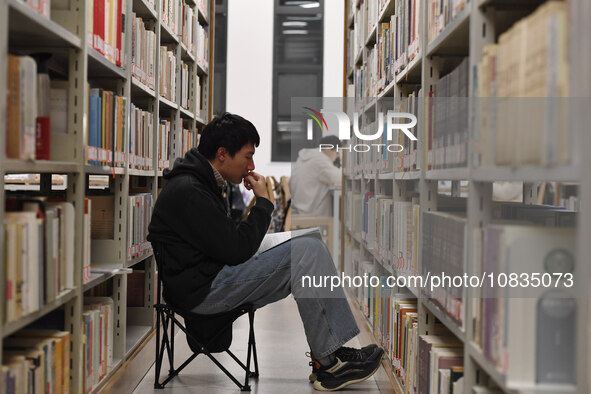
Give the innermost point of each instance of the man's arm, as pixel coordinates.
(216, 235)
(201, 222)
(330, 174)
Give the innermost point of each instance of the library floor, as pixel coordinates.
(281, 347)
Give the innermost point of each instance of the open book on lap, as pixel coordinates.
(275, 239)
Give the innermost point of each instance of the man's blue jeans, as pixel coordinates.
(273, 275)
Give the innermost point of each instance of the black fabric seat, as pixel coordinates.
(206, 334)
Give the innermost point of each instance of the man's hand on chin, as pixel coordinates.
(256, 183)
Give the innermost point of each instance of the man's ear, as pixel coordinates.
(221, 154)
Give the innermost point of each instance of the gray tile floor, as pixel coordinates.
(281, 347)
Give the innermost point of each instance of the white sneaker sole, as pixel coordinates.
(318, 385)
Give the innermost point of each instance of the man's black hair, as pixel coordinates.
(332, 140)
(229, 131)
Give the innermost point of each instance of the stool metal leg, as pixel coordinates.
(171, 371)
(159, 355)
(164, 343)
(252, 344)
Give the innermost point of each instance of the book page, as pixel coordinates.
(275, 239)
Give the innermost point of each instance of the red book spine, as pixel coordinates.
(99, 26)
(42, 138)
(118, 53)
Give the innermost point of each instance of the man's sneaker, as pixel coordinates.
(367, 350)
(349, 367)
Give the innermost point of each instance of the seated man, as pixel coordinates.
(209, 264)
(312, 177)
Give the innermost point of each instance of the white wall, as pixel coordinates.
(334, 16)
(250, 68)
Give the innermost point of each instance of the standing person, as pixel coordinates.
(313, 176)
(207, 263)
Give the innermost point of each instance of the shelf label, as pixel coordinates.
(91, 153)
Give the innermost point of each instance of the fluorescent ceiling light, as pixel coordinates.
(294, 24)
(295, 32)
(313, 4)
(303, 18)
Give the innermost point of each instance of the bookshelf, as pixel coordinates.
(460, 39)
(130, 163)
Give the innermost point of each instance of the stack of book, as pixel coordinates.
(440, 364)
(36, 110)
(106, 128)
(41, 6)
(522, 83)
(443, 251)
(203, 5)
(163, 147)
(139, 213)
(170, 14)
(167, 74)
(189, 23)
(97, 322)
(39, 254)
(404, 35)
(36, 361)
(185, 84)
(407, 160)
(106, 29)
(519, 325)
(446, 120)
(189, 139)
(441, 13)
(141, 130)
(143, 52)
(202, 43)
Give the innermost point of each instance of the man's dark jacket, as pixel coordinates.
(192, 235)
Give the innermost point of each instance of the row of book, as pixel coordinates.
(441, 13)
(446, 120)
(97, 328)
(444, 252)
(164, 146)
(398, 41)
(189, 139)
(143, 52)
(444, 247)
(389, 228)
(36, 361)
(39, 254)
(361, 86)
(191, 32)
(170, 15)
(41, 6)
(185, 85)
(105, 24)
(385, 156)
(189, 23)
(36, 107)
(522, 82)
(357, 36)
(519, 329)
(426, 364)
(423, 363)
(167, 74)
(202, 46)
(139, 213)
(141, 139)
(371, 13)
(138, 217)
(407, 159)
(203, 5)
(106, 128)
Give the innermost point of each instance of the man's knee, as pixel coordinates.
(309, 243)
